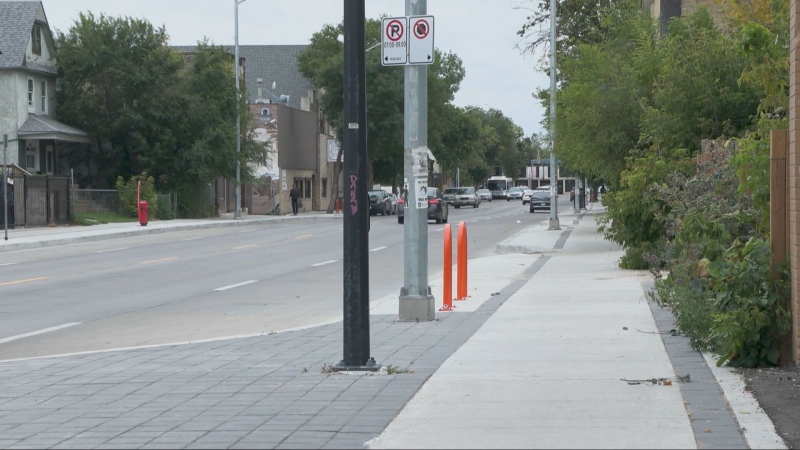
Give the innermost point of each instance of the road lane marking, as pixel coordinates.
(7, 264)
(304, 236)
(191, 239)
(324, 263)
(248, 231)
(23, 281)
(34, 333)
(112, 250)
(243, 283)
(439, 229)
(377, 249)
(158, 260)
(245, 246)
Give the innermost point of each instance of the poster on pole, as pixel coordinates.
(421, 193)
(420, 161)
(283, 179)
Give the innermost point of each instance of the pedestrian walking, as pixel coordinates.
(294, 194)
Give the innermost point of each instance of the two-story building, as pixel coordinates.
(27, 113)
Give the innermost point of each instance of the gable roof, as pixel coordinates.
(17, 21)
(271, 63)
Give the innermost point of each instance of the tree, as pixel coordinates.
(578, 22)
(322, 63)
(118, 80)
(150, 109)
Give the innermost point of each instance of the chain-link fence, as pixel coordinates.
(88, 201)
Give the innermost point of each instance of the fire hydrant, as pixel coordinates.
(143, 209)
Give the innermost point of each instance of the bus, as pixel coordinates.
(499, 186)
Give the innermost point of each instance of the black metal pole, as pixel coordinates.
(356, 211)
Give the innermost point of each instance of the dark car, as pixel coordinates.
(380, 202)
(438, 209)
(540, 200)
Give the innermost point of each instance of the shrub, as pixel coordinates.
(127, 194)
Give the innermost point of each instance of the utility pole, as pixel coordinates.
(5, 186)
(416, 301)
(238, 211)
(356, 210)
(554, 225)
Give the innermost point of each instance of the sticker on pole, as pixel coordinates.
(421, 193)
(420, 161)
(420, 40)
(394, 41)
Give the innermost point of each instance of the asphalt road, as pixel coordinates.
(202, 284)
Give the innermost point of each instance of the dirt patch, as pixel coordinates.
(778, 392)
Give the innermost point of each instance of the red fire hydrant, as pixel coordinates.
(143, 209)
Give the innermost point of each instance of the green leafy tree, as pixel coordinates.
(150, 109)
(322, 62)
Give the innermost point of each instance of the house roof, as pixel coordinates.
(40, 127)
(273, 64)
(17, 21)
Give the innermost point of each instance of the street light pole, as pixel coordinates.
(5, 186)
(554, 225)
(238, 212)
(416, 300)
(356, 212)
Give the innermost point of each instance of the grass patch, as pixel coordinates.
(97, 218)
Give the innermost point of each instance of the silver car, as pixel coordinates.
(462, 196)
(485, 194)
(515, 193)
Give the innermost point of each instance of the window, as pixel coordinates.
(31, 107)
(31, 159)
(307, 190)
(44, 96)
(324, 187)
(36, 39)
(49, 163)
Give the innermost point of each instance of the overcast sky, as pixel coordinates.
(481, 32)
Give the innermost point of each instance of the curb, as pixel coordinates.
(113, 234)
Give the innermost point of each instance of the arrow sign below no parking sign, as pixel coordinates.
(420, 40)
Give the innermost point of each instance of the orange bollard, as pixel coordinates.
(461, 281)
(447, 294)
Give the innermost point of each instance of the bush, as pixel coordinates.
(749, 304)
(127, 194)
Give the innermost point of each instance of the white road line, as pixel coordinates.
(7, 264)
(244, 283)
(324, 262)
(34, 333)
(248, 231)
(377, 249)
(439, 229)
(111, 250)
(191, 239)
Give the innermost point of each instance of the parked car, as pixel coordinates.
(462, 196)
(485, 194)
(380, 202)
(438, 209)
(540, 200)
(515, 193)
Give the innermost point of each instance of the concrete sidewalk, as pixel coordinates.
(535, 358)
